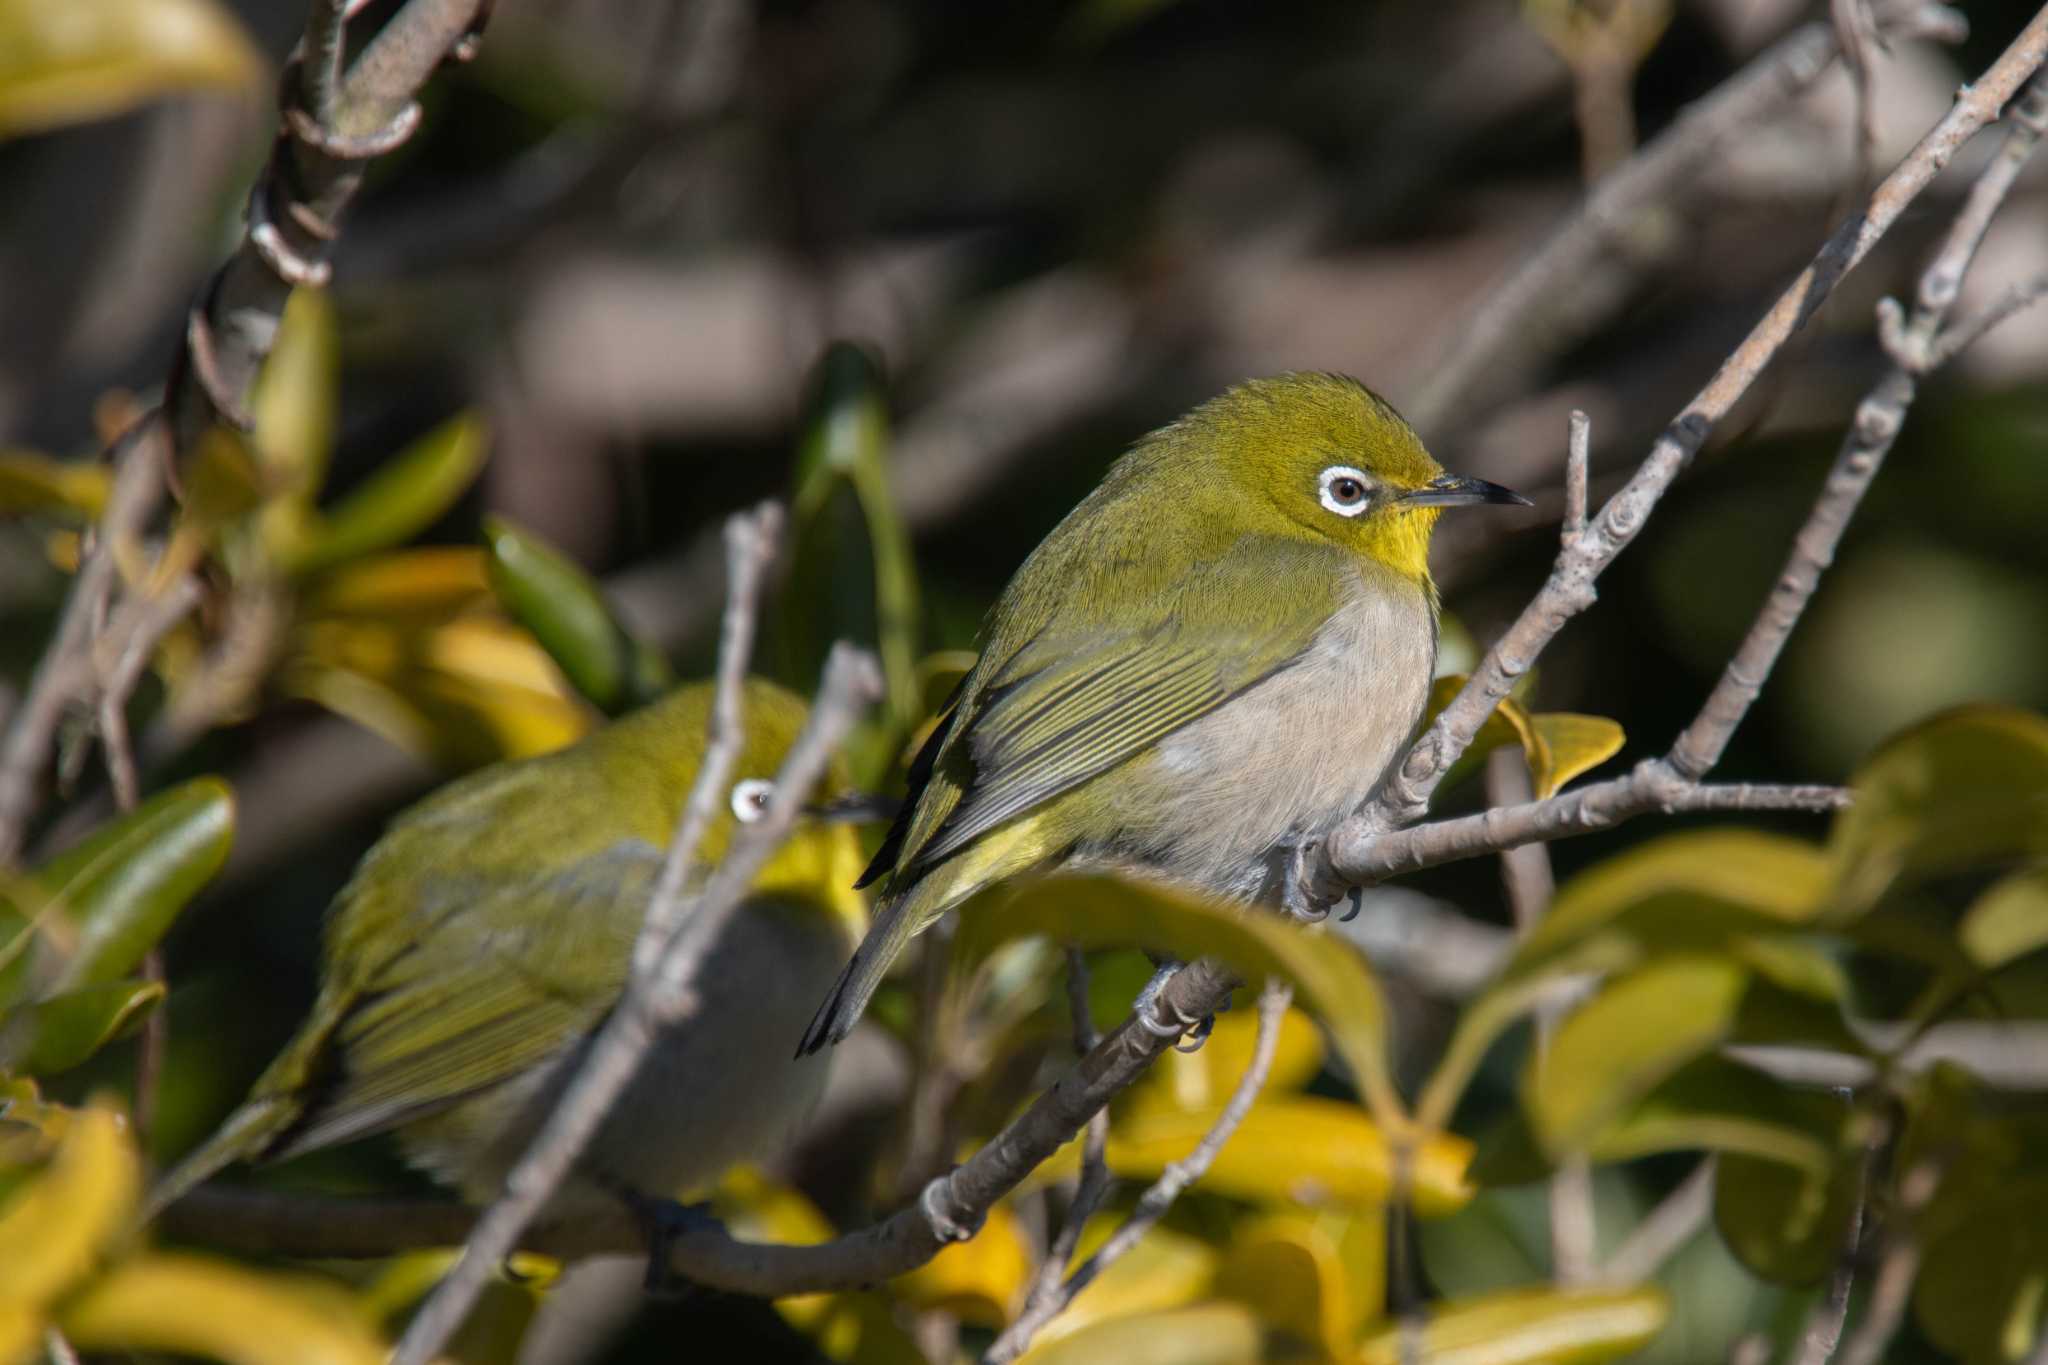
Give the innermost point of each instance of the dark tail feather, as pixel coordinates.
(849, 995)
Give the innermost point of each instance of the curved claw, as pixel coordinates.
(1357, 899)
(1198, 1035)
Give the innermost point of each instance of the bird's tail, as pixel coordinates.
(248, 1133)
(897, 921)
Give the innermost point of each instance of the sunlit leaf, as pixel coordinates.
(1529, 1327)
(1575, 744)
(1333, 981)
(56, 1228)
(1636, 1031)
(979, 1281)
(105, 902)
(435, 582)
(293, 405)
(1165, 1270)
(1784, 1222)
(1291, 1272)
(1209, 1334)
(2008, 921)
(33, 483)
(1968, 788)
(61, 1030)
(1300, 1149)
(62, 61)
(567, 613)
(194, 1306)
(409, 493)
(1715, 1105)
(1696, 887)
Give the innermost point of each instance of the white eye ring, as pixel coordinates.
(750, 799)
(1337, 475)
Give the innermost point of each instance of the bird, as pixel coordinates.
(1209, 663)
(482, 941)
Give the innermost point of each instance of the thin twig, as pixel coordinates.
(1095, 1176)
(1160, 1196)
(658, 998)
(1893, 1284)
(1577, 464)
(1664, 1230)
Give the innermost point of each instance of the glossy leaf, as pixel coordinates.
(2007, 922)
(1300, 1149)
(980, 1281)
(1965, 789)
(1784, 1222)
(566, 611)
(57, 1227)
(1332, 980)
(33, 484)
(1694, 887)
(411, 492)
(1208, 1334)
(1575, 744)
(1530, 1327)
(1291, 1272)
(1715, 1105)
(1637, 1030)
(108, 900)
(62, 1030)
(63, 62)
(194, 1306)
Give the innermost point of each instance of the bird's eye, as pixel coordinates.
(1345, 490)
(750, 799)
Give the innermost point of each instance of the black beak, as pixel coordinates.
(1452, 490)
(855, 808)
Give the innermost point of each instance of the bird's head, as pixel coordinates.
(1324, 457)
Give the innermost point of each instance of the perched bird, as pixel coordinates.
(1209, 663)
(484, 938)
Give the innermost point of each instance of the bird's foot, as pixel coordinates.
(944, 1225)
(1194, 1031)
(1309, 897)
(664, 1222)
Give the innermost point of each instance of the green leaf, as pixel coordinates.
(108, 900)
(1716, 1105)
(1983, 1285)
(1528, 1327)
(1690, 889)
(294, 404)
(63, 61)
(1785, 1222)
(2008, 921)
(852, 574)
(1966, 789)
(1333, 981)
(412, 491)
(62, 1030)
(1613, 1050)
(1207, 1334)
(566, 611)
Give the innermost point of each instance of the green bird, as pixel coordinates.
(1203, 669)
(485, 937)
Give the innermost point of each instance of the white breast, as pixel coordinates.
(1295, 754)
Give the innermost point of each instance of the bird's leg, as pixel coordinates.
(1196, 1031)
(663, 1221)
(1308, 898)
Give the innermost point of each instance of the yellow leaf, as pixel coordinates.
(1530, 1327)
(56, 1228)
(1574, 744)
(1334, 981)
(1210, 1334)
(67, 61)
(190, 1305)
(436, 581)
(295, 395)
(1298, 1149)
(2008, 921)
(1291, 1272)
(1164, 1271)
(1204, 1079)
(30, 482)
(980, 1281)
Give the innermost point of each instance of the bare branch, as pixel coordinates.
(1666, 1229)
(1893, 1286)
(1577, 466)
(663, 995)
(1160, 1197)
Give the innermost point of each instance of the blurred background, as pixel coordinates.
(627, 231)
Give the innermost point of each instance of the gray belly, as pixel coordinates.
(703, 1100)
(1220, 801)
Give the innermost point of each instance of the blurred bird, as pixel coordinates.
(485, 937)
(1203, 669)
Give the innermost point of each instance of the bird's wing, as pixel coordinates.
(506, 973)
(1081, 697)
